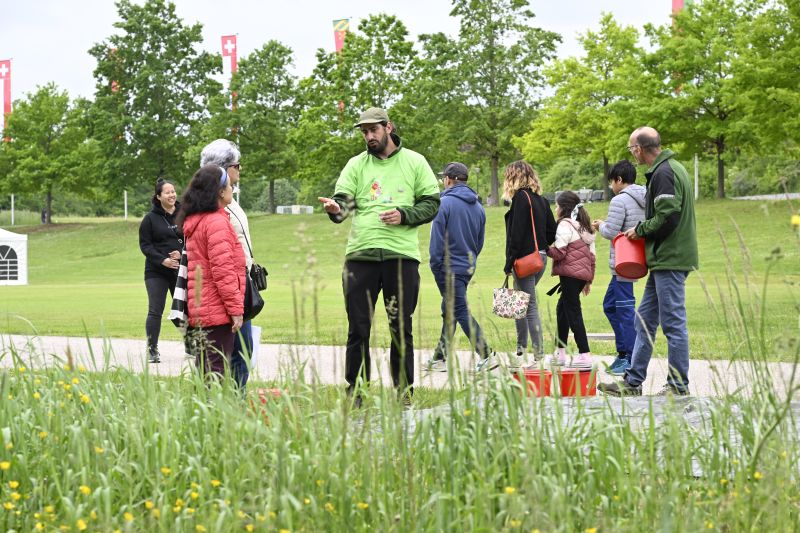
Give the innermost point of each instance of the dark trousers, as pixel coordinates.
(619, 305)
(157, 288)
(455, 310)
(362, 281)
(212, 348)
(242, 352)
(569, 315)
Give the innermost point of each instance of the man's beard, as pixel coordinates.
(380, 147)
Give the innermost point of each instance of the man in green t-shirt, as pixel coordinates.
(390, 191)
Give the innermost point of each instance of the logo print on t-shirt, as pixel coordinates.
(375, 190)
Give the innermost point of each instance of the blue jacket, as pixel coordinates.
(461, 222)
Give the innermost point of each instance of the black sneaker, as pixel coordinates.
(669, 390)
(620, 388)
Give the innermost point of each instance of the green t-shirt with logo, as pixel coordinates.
(378, 185)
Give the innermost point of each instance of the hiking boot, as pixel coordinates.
(669, 390)
(488, 363)
(154, 357)
(582, 362)
(619, 366)
(620, 388)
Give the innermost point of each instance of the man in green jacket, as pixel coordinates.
(670, 235)
(390, 190)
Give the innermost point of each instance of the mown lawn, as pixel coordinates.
(89, 275)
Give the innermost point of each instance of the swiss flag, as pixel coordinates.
(5, 69)
(229, 49)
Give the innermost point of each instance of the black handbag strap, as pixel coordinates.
(533, 224)
(243, 231)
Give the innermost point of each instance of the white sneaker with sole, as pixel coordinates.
(582, 362)
(489, 363)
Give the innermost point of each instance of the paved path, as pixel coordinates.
(325, 364)
(780, 196)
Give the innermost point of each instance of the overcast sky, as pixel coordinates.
(48, 40)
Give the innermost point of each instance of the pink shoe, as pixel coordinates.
(582, 362)
(559, 358)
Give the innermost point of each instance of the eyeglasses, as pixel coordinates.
(236, 166)
(631, 147)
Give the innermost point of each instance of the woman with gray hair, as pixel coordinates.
(225, 154)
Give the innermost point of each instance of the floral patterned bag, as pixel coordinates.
(510, 303)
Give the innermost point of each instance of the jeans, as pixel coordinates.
(531, 324)
(619, 306)
(241, 354)
(453, 288)
(157, 288)
(398, 279)
(664, 303)
(569, 315)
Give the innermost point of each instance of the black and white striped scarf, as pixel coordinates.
(179, 304)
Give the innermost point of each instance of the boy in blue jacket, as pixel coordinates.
(457, 235)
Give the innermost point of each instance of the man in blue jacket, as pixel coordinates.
(457, 236)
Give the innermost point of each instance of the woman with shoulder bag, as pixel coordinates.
(216, 270)
(528, 210)
(161, 243)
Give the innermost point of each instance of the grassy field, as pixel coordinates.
(87, 277)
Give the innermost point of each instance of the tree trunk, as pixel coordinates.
(604, 180)
(720, 167)
(49, 207)
(495, 198)
(272, 196)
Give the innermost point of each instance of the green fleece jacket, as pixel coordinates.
(669, 227)
(368, 186)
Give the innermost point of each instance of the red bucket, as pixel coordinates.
(265, 394)
(630, 257)
(537, 381)
(576, 382)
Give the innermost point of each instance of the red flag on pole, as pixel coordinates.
(229, 49)
(340, 29)
(677, 5)
(5, 75)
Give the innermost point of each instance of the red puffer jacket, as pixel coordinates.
(216, 268)
(576, 259)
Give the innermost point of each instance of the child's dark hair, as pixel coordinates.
(160, 182)
(624, 170)
(566, 202)
(202, 194)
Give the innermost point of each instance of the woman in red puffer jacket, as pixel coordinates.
(216, 269)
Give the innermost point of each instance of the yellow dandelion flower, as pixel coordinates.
(329, 507)
(13, 484)
(284, 531)
(615, 497)
(80, 524)
(21, 370)
(10, 396)
(757, 475)
(515, 523)
(467, 412)
(42, 434)
(227, 501)
(179, 502)
(85, 398)
(509, 490)
(200, 528)
(723, 481)
(98, 449)
(249, 527)
(85, 490)
(319, 483)
(67, 386)
(49, 509)
(81, 368)
(194, 485)
(709, 525)
(148, 504)
(166, 470)
(272, 514)
(306, 500)
(15, 496)
(117, 531)
(75, 381)
(5, 465)
(195, 495)
(176, 509)
(9, 445)
(215, 483)
(189, 510)
(128, 517)
(241, 514)
(37, 381)
(39, 526)
(36, 395)
(155, 513)
(362, 505)
(8, 506)
(93, 515)
(591, 530)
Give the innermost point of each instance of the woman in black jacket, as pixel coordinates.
(523, 189)
(161, 243)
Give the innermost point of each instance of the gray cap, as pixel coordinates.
(373, 115)
(456, 171)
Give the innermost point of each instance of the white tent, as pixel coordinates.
(13, 258)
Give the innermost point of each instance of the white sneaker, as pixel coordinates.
(489, 363)
(559, 358)
(582, 362)
(437, 365)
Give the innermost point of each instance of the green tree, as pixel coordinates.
(265, 113)
(590, 114)
(153, 87)
(48, 149)
(698, 102)
(500, 57)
